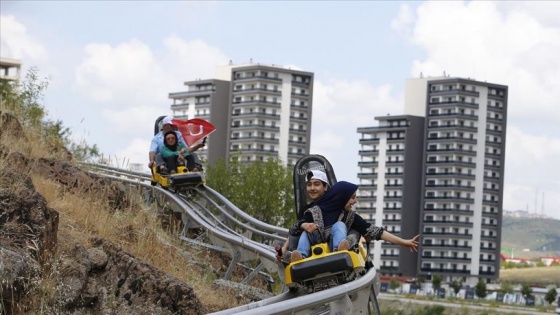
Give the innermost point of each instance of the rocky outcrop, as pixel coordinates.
(101, 280)
(28, 233)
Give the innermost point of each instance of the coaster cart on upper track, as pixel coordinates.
(183, 179)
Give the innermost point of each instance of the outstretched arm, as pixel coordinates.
(412, 243)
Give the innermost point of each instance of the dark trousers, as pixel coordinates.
(172, 162)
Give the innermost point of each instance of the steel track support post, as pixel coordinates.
(234, 259)
(253, 274)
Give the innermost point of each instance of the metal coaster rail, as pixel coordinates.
(230, 229)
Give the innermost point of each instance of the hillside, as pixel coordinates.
(541, 237)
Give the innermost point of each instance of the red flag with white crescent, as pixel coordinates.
(194, 130)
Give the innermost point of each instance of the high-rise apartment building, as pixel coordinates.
(258, 110)
(390, 186)
(461, 169)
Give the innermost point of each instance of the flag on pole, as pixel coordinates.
(194, 130)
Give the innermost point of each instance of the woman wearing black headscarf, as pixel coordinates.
(331, 217)
(173, 152)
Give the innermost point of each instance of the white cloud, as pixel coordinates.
(476, 40)
(125, 74)
(16, 43)
(404, 20)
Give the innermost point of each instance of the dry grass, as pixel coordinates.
(138, 231)
(536, 275)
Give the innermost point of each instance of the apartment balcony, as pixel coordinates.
(297, 143)
(494, 178)
(392, 209)
(491, 190)
(487, 273)
(495, 97)
(393, 174)
(447, 139)
(489, 249)
(437, 235)
(389, 256)
(446, 247)
(261, 103)
(446, 223)
(367, 187)
(393, 185)
(453, 92)
(201, 92)
(494, 120)
(455, 115)
(452, 104)
(444, 271)
(494, 132)
(493, 145)
(440, 259)
(368, 152)
(255, 78)
(451, 162)
(257, 115)
(496, 109)
(449, 187)
(367, 175)
(369, 141)
(381, 128)
(300, 95)
(452, 151)
(246, 151)
(254, 127)
(367, 163)
(450, 211)
(449, 175)
(395, 139)
(394, 163)
(392, 198)
(448, 199)
(364, 198)
(298, 131)
(300, 83)
(394, 151)
(266, 140)
(299, 107)
(255, 91)
(489, 237)
(300, 119)
(453, 127)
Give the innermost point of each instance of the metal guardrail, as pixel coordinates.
(228, 227)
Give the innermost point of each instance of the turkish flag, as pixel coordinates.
(194, 130)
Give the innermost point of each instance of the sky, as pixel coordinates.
(111, 65)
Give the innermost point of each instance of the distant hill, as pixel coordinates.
(540, 236)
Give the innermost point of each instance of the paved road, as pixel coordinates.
(502, 309)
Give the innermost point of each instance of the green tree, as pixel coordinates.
(23, 98)
(526, 290)
(394, 284)
(550, 296)
(506, 287)
(262, 189)
(456, 286)
(480, 289)
(436, 282)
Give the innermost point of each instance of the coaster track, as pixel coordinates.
(250, 242)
